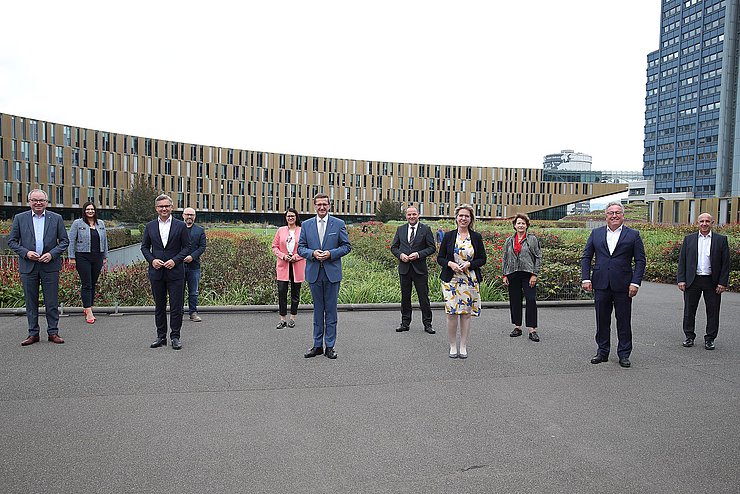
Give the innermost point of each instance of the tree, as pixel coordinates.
(388, 210)
(137, 205)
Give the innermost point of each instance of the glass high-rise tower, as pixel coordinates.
(691, 106)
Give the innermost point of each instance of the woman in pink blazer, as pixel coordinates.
(290, 267)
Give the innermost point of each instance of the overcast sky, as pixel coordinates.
(493, 83)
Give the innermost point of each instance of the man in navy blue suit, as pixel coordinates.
(165, 244)
(615, 279)
(323, 243)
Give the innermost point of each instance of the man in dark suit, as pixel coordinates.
(412, 244)
(192, 261)
(615, 279)
(703, 269)
(38, 237)
(165, 244)
(323, 243)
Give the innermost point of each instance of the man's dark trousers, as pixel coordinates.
(702, 285)
(421, 283)
(605, 301)
(176, 290)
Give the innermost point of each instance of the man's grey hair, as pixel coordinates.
(37, 190)
(615, 203)
(163, 197)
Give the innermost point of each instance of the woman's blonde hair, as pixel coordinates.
(470, 210)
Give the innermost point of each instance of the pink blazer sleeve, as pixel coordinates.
(279, 237)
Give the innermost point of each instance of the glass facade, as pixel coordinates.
(691, 99)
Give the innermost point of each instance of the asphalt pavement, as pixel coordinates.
(239, 409)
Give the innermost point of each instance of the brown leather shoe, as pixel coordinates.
(30, 340)
(55, 338)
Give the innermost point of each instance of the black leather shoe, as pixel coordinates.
(688, 342)
(515, 333)
(429, 330)
(176, 345)
(709, 344)
(598, 358)
(401, 329)
(534, 336)
(313, 352)
(330, 353)
(625, 362)
(158, 343)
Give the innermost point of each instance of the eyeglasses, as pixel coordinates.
(613, 213)
(165, 207)
(40, 201)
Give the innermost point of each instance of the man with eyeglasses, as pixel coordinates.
(165, 244)
(323, 242)
(192, 261)
(38, 237)
(615, 278)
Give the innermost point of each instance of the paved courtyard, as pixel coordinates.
(240, 410)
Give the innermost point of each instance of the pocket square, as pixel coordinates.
(332, 233)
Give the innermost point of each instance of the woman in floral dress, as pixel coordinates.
(461, 255)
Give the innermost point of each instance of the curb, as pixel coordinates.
(214, 309)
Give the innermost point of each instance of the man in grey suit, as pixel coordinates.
(412, 244)
(703, 269)
(38, 236)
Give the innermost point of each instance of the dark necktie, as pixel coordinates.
(413, 235)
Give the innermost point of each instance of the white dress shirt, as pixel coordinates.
(416, 231)
(612, 238)
(164, 230)
(703, 264)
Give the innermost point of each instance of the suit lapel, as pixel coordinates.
(405, 235)
(604, 242)
(47, 224)
(156, 237)
(29, 225)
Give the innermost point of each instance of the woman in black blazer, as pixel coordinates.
(461, 255)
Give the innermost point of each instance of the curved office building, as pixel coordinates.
(74, 164)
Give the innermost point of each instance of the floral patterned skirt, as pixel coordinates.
(461, 295)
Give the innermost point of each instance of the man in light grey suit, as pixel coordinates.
(39, 238)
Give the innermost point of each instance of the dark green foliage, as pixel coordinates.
(137, 205)
(388, 210)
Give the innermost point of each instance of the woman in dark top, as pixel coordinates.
(461, 255)
(88, 251)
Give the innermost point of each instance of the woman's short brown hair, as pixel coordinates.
(520, 216)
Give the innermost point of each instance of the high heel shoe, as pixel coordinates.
(88, 319)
